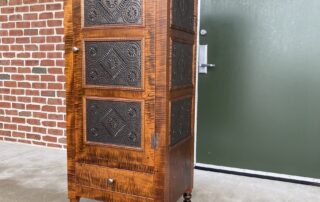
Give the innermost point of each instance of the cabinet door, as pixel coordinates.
(113, 83)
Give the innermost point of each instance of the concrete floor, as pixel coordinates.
(36, 174)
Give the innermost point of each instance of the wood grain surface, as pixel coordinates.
(153, 172)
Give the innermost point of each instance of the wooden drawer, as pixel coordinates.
(124, 181)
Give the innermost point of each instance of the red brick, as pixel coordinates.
(40, 115)
(24, 141)
(31, 63)
(49, 123)
(17, 77)
(18, 106)
(30, 1)
(38, 55)
(30, 16)
(17, 92)
(54, 39)
(46, 16)
(23, 55)
(24, 85)
(18, 120)
(38, 24)
(32, 92)
(23, 24)
(8, 25)
(23, 40)
(3, 18)
(31, 47)
(17, 62)
(33, 121)
(9, 54)
(53, 7)
(39, 130)
(16, 17)
(46, 31)
(48, 93)
(22, 9)
(39, 100)
(55, 132)
(15, 32)
(37, 8)
(15, 2)
(38, 39)
(10, 139)
(39, 143)
(54, 23)
(5, 133)
(33, 77)
(47, 78)
(54, 145)
(48, 108)
(18, 134)
(10, 126)
(55, 117)
(7, 10)
(30, 32)
(52, 101)
(25, 113)
(33, 107)
(7, 40)
(4, 47)
(33, 136)
(49, 138)
(16, 47)
(47, 47)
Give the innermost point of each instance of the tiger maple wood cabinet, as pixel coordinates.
(130, 99)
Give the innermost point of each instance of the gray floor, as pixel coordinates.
(36, 174)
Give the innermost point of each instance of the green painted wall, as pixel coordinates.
(260, 108)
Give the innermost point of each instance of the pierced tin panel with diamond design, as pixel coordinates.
(113, 63)
(106, 12)
(183, 14)
(180, 120)
(181, 71)
(113, 122)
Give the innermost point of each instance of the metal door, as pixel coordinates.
(259, 107)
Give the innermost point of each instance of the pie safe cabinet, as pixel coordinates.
(130, 99)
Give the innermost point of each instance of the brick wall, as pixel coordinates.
(32, 95)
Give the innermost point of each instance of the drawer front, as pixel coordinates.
(116, 180)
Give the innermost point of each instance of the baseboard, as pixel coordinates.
(259, 174)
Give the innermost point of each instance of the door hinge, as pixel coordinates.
(154, 140)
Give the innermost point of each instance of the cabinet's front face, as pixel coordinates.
(114, 83)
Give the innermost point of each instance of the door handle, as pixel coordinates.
(207, 65)
(203, 59)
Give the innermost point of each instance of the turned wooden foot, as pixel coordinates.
(187, 197)
(77, 199)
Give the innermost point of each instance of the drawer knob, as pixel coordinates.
(75, 49)
(110, 181)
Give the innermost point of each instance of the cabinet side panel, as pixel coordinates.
(68, 29)
(181, 169)
(183, 42)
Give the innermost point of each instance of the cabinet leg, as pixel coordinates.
(77, 199)
(187, 197)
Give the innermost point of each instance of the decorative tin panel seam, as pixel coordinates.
(113, 122)
(113, 63)
(106, 12)
(180, 120)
